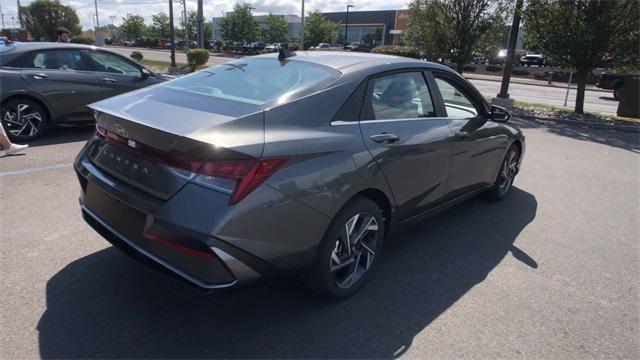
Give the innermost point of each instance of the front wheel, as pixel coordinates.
(508, 170)
(349, 250)
(23, 119)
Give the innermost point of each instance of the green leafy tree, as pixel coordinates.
(133, 27)
(456, 29)
(277, 29)
(190, 26)
(42, 17)
(160, 25)
(240, 25)
(584, 34)
(318, 29)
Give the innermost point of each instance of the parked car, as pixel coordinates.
(532, 59)
(612, 81)
(358, 47)
(323, 46)
(275, 47)
(331, 158)
(49, 83)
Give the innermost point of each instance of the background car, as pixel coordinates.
(358, 47)
(532, 59)
(48, 83)
(323, 46)
(297, 161)
(612, 81)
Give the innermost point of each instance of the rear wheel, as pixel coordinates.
(508, 170)
(23, 119)
(349, 250)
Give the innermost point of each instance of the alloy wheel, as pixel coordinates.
(22, 120)
(354, 250)
(508, 171)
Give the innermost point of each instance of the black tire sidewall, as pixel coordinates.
(494, 192)
(12, 104)
(321, 280)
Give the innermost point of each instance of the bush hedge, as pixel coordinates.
(82, 40)
(197, 57)
(406, 51)
(137, 56)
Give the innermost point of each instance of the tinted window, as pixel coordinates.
(401, 96)
(105, 62)
(457, 104)
(57, 60)
(256, 81)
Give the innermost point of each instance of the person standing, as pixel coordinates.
(7, 147)
(63, 35)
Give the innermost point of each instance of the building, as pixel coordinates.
(294, 24)
(381, 27)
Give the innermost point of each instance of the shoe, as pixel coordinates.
(14, 149)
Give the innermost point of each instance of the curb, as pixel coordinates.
(606, 126)
(531, 83)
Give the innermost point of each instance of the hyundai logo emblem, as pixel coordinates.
(121, 130)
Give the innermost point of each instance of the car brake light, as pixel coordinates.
(236, 177)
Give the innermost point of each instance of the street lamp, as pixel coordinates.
(346, 28)
(184, 17)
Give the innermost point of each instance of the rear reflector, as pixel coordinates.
(246, 174)
(178, 247)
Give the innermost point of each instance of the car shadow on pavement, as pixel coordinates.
(64, 134)
(616, 138)
(108, 306)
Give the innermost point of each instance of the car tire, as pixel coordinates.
(617, 93)
(509, 168)
(23, 119)
(344, 260)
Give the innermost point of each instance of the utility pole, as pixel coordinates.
(302, 28)
(98, 37)
(20, 14)
(503, 97)
(200, 26)
(346, 28)
(172, 37)
(2, 15)
(184, 23)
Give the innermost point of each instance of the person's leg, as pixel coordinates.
(7, 147)
(4, 140)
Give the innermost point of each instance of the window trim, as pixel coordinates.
(367, 110)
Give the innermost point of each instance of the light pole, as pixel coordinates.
(200, 25)
(98, 37)
(302, 28)
(172, 37)
(503, 97)
(346, 28)
(19, 14)
(184, 17)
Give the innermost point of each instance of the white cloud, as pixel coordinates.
(106, 9)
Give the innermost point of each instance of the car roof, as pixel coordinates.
(340, 59)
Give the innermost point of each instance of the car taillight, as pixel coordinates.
(235, 177)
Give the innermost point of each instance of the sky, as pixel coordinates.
(116, 9)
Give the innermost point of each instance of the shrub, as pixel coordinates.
(82, 40)
(197, 57)
(494, 68)
(469, 68)
(406, 51)
(137, 56)
(520, 72)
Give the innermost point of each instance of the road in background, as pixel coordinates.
(164, 55)
(549, 273)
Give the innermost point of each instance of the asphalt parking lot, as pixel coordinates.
(551, 272)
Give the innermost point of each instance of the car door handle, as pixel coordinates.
(384, 138)
(39, 76)
(462, 134)
(109, 80)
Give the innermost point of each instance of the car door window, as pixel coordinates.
(457, 104)
(400, 96)
(110, 63)
(56, 60)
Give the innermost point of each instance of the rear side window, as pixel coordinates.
(57, 60)
(257, 81)
(400, 96)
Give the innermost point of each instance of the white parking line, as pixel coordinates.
(25, 171)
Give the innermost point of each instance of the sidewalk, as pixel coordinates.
(518, 80)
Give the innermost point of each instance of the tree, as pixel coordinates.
(42, 17)
(240, 24)
(584, 34)
(190, 26)
(455, 29)
(133, 27)
(318, 29)
(160, 25)
(277, 29)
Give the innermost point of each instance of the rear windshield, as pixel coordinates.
(257, 81)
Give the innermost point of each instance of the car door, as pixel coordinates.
(479, 143)
(411, 144)
(118, 74)
(63, 78)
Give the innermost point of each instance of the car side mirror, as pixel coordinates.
(144, 74)
(499, 114)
